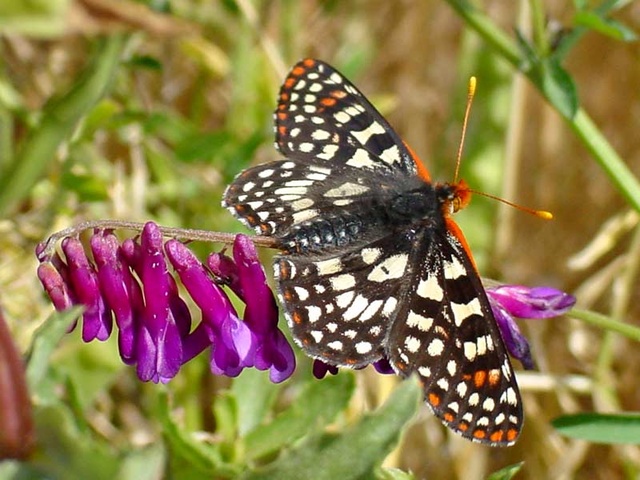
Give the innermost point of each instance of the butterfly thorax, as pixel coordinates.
(367, 218)
(452, 197)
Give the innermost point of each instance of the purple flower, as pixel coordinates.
(232, 344)
(508, 301)
(247, 280)
(131, 283)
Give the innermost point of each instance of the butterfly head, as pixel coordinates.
(453, 196)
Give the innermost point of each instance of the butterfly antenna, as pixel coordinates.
(470, 94)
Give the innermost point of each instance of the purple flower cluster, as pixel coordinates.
(131, 283)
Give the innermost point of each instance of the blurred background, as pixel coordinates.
(190, 105)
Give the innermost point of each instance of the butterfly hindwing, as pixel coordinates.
(445, 333)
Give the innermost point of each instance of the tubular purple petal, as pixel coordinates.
(233, 346)
(320, 369)
(537, 302)
(383, 366)
(261, 312)
(516, 343)
(55, 286)
(159, 345)
(116, 285)
(97, 321)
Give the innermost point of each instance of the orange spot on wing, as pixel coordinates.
(448, 417)
(328, 102)
(297, 318)
(496, 436)
(296, 72)
(479, 378)
(338, 94)
(463, 427)
(308, 62)
(282, 130)
(479, 434)
(512, 434)
(434, 399)
(281, 116)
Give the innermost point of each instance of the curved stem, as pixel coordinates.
(46, 248)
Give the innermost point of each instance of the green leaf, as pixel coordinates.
(67, 451)
(254, 394)
(144, 464)
(316, 406)
(353, 454)
(506, 473)
(601, 428)
(45, 340)
(189, 457)
(559, 88)
(605, 26)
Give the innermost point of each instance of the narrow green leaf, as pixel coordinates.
(601, 428)
(506, 473)
(60, 117)
(606, 26)
(189, 457)
(316, 406)
(353, 454)
(559, 88)
(45, 340)
(254, 394)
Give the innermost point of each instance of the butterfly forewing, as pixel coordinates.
(323, 118)
(372, 266)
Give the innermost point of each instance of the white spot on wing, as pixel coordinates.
(415, 320)
(435, 348)
(342, 282)
(329, 267)
(356, 308)
(462, 312)
(391, 268)
(430, 288)
(347, 189)
(373, 129)
(453, 269)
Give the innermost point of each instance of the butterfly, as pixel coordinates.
(372, 264)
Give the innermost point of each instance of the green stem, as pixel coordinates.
(581, 124)
(606, 323)
(60, 117)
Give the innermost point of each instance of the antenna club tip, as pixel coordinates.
(544, 214)
(472, 85)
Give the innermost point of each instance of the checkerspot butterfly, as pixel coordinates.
(372, 265)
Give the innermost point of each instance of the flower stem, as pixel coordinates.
(178, 233)
(606, 323)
